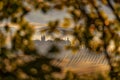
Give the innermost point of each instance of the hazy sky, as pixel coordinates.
(42, 18)
(39, 17)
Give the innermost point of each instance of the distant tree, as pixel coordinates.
(91, 27)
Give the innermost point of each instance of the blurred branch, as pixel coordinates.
(113, 10)
(105, 45)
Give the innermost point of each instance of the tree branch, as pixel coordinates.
(113, 10)
(105, 46)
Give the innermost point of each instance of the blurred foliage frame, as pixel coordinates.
(95, 21)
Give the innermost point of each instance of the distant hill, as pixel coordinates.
(84, 61)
